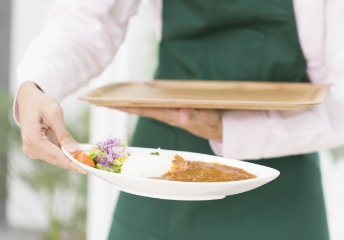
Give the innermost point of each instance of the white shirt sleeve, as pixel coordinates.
(79, 39)
(266, 134)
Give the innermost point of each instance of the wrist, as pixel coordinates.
(26, 88)
(219, 129)
(218, 135)
(30, 84)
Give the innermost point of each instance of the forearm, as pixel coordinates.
(267, 134)
(78, 41)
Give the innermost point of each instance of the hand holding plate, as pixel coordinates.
(42, 128)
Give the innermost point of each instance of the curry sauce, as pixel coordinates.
(197, 171)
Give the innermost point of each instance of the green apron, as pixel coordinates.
(241, 40)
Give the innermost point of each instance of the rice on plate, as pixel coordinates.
(147, 164)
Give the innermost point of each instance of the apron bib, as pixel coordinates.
(238, 40)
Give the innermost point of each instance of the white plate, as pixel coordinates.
(187, 191)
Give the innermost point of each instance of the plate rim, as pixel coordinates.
(258, 179)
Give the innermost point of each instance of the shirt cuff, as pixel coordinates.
(244, 135)
(16, 111)
(216, 146)
(44, 77)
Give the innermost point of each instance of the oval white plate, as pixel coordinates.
(187, 191)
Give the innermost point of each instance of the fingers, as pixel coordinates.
(37, 145)
(172, 116)
(65, 161)
(168, 115)
(205, 123)
(43, 129)
(59, 136)
(143, 112)
(184, 115)
(51, 136)
(54, 119)
(56, 157)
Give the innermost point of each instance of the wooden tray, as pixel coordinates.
(209, 94)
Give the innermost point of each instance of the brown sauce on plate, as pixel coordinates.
(197, 171)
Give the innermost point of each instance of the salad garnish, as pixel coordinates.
(109, 155)
(157, 153)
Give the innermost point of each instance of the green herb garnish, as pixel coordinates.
(155, 153)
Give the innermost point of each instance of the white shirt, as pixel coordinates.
(80, 38)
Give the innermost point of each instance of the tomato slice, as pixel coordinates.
(82, 157)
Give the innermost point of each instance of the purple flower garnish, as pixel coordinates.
(109, 150)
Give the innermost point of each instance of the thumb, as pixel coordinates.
(63, 137)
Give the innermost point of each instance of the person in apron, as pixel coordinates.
(240, 40)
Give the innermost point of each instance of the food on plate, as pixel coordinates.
(82, 157)
(197, 171)
(166, 165)
(107, 155)
(112, 155)
(148, 164)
